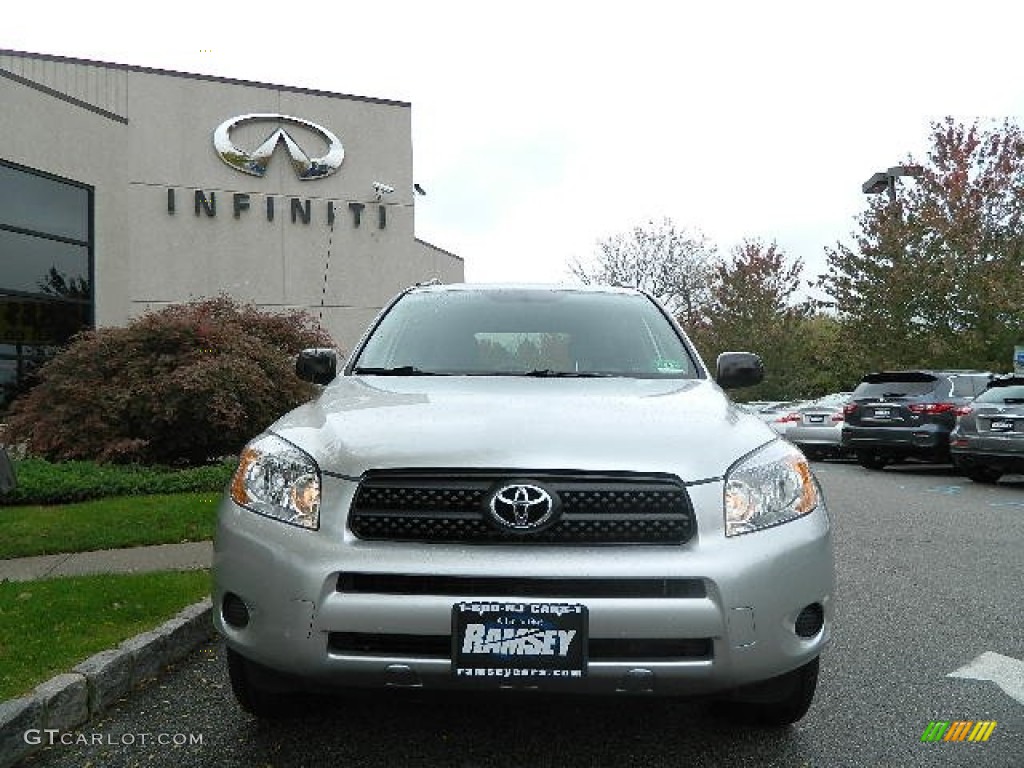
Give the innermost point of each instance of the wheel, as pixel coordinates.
(258, 690)
(774, 703)
(871, 460)
(987, 475)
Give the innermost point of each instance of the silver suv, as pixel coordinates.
(525, 487)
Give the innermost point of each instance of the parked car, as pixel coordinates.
(526, 488)
(818, 428)
(780, 415)
(988, 440)
(895, 415)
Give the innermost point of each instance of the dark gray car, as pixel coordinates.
(896, 415)
(988, 441)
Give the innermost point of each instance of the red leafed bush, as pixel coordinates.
(184, 385)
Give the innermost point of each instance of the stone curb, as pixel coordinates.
(70, 700)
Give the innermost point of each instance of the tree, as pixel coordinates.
(935, 278)
(60, 286)
(751, 308)
(660, 258)
(183, 385)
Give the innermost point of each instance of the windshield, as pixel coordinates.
(837, 400)
(910, 386)
(533, 332)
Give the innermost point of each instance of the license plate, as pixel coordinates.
(883, 413)
(815, 419)
(506, 643)
(1001, 426)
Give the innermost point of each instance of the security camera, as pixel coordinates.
(382, 189)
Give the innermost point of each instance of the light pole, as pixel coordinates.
(886, 180)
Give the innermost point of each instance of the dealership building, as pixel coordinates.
(124, 189)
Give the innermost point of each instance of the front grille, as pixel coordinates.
(499, 587)
(440, 647)
(449, 506)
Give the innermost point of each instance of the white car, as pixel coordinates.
(526, 487)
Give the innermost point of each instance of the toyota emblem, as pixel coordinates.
(522, 507)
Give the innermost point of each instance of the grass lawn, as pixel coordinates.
(127, 521)
(47, 627)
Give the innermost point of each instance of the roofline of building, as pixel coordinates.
(439, 249)
(206, 78)
(63, 96)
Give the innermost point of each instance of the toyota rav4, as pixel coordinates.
(531, 488)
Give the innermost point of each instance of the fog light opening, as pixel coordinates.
(810, 621)
(235, 611)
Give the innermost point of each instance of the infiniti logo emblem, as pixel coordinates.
(255, 162)
(522, 507)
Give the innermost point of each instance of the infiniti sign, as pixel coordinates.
(255, 162)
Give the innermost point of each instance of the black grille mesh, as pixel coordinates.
(506, 586)
(448, 506)
(598, 649)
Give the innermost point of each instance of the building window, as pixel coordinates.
(46, 270)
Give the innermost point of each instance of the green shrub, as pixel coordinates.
(179, 386)
(41, 482)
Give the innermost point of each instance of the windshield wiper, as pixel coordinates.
(401, 370)
(544, 373)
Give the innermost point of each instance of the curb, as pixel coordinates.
(69, 700)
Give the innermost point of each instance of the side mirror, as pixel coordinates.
(739, 369)
(319, 365)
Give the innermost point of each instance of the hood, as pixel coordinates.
(685, 427)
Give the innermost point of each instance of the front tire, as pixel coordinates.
(986, 475)
(774, 703)
(258, 690)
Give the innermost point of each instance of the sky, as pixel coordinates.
(542, 128)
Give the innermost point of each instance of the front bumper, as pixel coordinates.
(752, 589)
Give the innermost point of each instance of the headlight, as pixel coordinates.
(279, 480)
(771, 486)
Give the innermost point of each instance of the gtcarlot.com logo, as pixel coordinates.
(958, 730)
(51, 737)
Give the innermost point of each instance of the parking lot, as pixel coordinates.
(929, 581)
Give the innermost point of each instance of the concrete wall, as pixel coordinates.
(135, 133)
